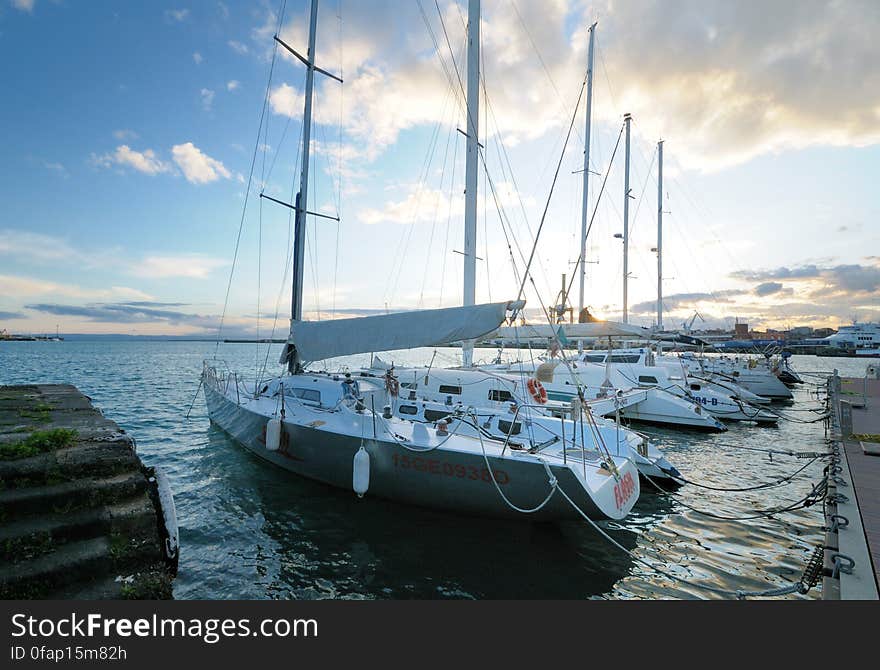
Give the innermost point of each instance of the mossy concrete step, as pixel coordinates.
(150, 584)
(30, 537)
(68, 496)
(76, 562)
(84, 459)
(80, 514)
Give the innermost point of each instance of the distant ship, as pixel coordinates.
(863, 339)
(6, 336)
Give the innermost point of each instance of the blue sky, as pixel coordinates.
(130, 130)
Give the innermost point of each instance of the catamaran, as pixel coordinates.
(336, 429)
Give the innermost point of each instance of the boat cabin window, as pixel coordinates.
(509, 428)
(309, 395)
(695, 387)
(500, 395)
(409, 385)
(595, 358)
(408, 409)
(435, 415)
(454, 390)
(647, 379)
(624, 358)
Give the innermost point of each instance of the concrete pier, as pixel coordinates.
(80, 515)
(852, 555)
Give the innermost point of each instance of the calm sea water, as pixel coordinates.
(250, 530)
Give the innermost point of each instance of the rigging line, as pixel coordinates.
(485, 175)
(516, 275)
(436, 46)
(338, 161)
(288, 256)
(605, 72)
(247, 192)
(470, 124)
(596, 208)
(315, 254)
(436, 212)
(263, 176)
(259, 290)
(280, 292)
(406, 235)
(500, 142)
(541, 60)
(448, 222)
(552, 185)
(334, 179)
(502, 213)
(642, 195)
(423, 177)
(480, 151)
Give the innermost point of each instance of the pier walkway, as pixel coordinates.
(856, 413)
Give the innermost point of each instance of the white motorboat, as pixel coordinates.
(506, 410)
(640, 366)
(657, 405)
(750, 374)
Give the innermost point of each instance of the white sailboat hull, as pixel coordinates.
(446, 478)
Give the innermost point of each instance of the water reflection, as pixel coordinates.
(251, 530)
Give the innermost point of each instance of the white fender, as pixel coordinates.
(360, 480)
(273, 434)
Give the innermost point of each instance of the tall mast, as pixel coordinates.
(660, 235)
(627, 120)
(470, 180)
(301, 204)
(585, 207)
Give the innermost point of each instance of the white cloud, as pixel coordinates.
(193, 266)
(142, 161)
(723, 84)
(24, 287)
(34, 246)
(286, 100)
(197, 167)
(124, 134)
(238, 47)
(197, 58)
(56, 167)
(233, 85)
(176, 15)
(420, 204)
(24, 5)
(207, 98)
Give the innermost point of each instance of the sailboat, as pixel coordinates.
(336, 429)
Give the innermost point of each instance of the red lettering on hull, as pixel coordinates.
(432, 466)
(623, 490)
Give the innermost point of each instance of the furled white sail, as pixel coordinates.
(317, 340)
(571, 331)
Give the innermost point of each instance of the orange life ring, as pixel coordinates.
(537, 391)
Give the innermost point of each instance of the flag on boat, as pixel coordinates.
(559, 341)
